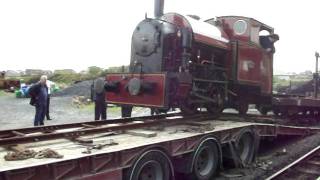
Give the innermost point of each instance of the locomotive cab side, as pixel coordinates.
(250, 61)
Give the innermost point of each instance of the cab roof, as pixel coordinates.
(252, 21)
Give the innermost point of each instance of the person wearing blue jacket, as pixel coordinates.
(98, 96)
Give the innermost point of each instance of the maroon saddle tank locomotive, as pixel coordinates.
(182, 62)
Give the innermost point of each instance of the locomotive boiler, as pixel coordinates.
(180, 61)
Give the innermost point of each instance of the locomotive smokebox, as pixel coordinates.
(158, 8)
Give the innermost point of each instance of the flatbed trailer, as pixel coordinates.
(155, 147)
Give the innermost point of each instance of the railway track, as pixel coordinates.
(87, 124)
(74, 130)
(306, 167)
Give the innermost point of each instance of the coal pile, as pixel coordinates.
(78, 89)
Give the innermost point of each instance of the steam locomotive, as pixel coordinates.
(180, 61)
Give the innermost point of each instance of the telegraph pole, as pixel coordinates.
(316, 77)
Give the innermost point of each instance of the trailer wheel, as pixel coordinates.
(205, 161)
(152, 165)
(245, 147)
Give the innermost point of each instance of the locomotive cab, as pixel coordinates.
(250, 63)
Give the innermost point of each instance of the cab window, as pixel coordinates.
(254, 35)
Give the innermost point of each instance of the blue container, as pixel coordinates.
(25, 91)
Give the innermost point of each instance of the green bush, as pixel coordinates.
(66, 79)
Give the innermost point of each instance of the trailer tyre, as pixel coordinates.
(245, 146)
(152, 165)
(205, 161)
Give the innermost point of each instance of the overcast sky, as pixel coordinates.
(80, 33)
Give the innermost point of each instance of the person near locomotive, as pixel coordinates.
(267, 42)
(126, 110)
(50, 85)
(98, 96)
(39, 97)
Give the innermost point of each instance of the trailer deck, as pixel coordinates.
(119, 150)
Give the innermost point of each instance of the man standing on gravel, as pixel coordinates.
(50, 86)
(39, 97)
(100, 109)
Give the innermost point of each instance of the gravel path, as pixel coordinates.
(17, 113)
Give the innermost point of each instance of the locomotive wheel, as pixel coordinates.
(280, 112)
(152, 165)
(216, 108)
(157, 111)
(263, 110)
(317, 113)
(243, 107)
(206, 161)
(188, 108)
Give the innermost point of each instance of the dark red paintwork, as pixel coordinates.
(249, 67)
(177, 19)
(254, 65)
(156, 99)
(182, 22)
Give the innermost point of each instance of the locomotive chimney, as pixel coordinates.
(158, 8)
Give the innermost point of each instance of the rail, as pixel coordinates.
(71, 131)
(306, 167)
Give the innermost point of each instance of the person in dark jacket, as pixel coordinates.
(126, 110)
(100, 109)
(267, 42)
(39, 96)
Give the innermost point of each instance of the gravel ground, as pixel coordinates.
(17, 113)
